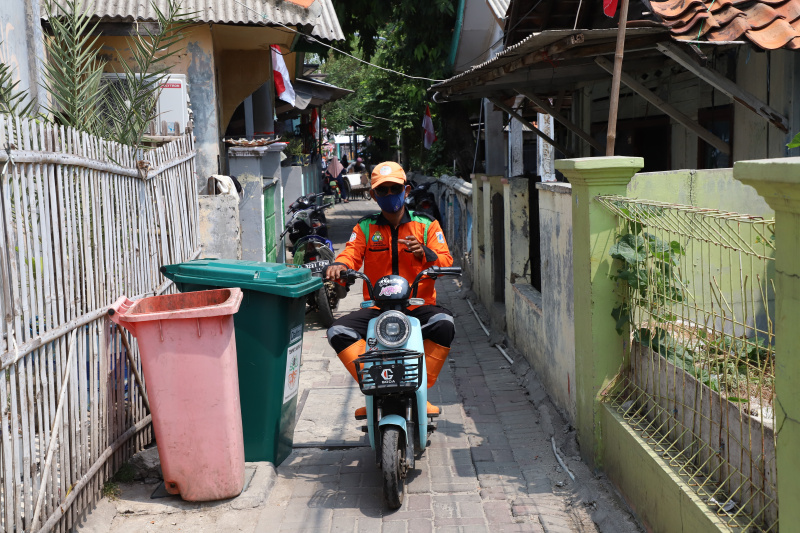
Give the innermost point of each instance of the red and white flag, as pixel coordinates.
(313, 126)
(427, 125)
(610, 7)
(283, 85)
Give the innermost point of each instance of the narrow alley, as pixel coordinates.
(490, 465)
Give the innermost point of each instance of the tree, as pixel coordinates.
(73, 71)
(412, 37)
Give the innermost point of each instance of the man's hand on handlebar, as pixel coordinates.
(333, 272)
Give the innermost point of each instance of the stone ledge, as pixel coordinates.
(558, 187)
(654, 490)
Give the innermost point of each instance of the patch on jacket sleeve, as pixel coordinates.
(352, 237)
(440, 236)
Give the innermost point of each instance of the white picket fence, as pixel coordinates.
(83, 221)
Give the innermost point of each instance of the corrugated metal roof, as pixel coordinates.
(257, 12)
(538, 41)
(770, 24)
(499, 8)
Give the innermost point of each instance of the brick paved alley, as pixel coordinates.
(489, 467)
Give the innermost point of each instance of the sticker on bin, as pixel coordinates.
(292, 382)
(295, 334)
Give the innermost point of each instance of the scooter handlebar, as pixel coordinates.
(433, 273)
(350, 276)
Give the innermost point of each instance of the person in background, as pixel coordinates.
(356, 167)
(335, 171)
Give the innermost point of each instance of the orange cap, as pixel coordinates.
(388, 172)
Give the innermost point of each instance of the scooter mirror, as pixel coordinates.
(366, 304)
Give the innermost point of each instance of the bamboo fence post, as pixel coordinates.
(54, 432)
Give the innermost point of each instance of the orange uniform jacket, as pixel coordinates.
(374, 243)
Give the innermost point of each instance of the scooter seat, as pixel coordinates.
(433, 411)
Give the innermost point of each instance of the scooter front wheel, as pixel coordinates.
(324, 307)
(392, 461)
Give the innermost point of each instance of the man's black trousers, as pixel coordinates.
(437, 326)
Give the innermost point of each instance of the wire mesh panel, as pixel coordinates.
(699, 389)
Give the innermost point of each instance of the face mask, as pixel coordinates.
(391, 203)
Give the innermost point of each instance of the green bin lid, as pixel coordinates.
(280, 279)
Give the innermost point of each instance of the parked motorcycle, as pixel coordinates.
(305, 202)
(314, 251)
(422, 200)
(306, 220)
(392, 375)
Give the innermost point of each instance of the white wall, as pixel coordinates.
(22, 45)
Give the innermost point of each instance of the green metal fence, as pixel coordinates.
(699, 388)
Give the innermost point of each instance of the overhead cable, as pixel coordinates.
(314, 39)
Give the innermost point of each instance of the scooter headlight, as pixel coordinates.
(393, 329)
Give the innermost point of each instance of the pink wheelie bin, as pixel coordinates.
(188, 352)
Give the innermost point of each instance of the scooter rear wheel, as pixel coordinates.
(392, 464)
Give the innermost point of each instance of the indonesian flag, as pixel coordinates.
(283, 86)
(314, 125)
(610, 7)
(427, 125)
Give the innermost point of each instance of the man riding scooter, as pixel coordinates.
(401, 242)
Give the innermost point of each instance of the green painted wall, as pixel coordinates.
(778, 181)
(712, 189)
(655, 492)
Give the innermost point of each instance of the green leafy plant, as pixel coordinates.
(660, 341)
(794, 143)
(649, 267)
(13, 101)
(72, 71)
(121, 112)
(144, 72)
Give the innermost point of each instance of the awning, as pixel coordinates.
(312, 93)
(550, 61)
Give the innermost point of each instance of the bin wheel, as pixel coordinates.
(324, 307)
(392, 462)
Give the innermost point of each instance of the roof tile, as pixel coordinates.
(770, 24)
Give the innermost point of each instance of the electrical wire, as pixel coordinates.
(314, 39)
(380, 118)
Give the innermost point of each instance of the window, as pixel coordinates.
(649, 138)
(719, 121)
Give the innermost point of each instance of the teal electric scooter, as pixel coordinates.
(392, 375)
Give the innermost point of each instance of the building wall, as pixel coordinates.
(713, 189)
(541, 324)
(773, 77)
(22, 45)
(197, 62)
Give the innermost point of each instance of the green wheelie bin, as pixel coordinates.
(269, 341)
